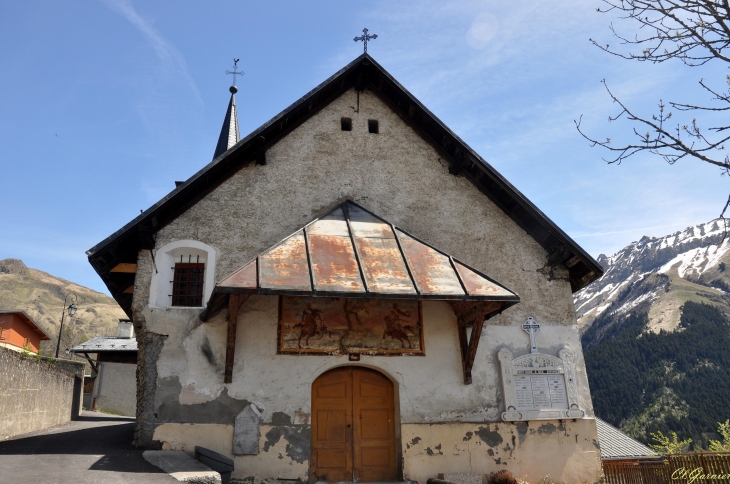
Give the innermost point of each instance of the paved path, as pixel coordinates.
(97, 448)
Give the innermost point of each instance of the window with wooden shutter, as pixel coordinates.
(187, 284)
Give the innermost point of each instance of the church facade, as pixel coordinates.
(350, 293)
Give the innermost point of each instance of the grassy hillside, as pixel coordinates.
(41, 296)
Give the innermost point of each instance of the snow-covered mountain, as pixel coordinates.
(655, 332)
(659, 275)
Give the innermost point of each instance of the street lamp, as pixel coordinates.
(71, 311)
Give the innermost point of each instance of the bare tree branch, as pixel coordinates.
(694, 32)
(718, 97)
(659, 140)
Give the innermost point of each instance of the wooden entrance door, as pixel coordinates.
(353, 426)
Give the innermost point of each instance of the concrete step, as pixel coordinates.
(182, 467)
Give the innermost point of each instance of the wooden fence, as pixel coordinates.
(698, 468)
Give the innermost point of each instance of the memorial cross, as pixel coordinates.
(365, 37)
(233, 72)
(531, 327)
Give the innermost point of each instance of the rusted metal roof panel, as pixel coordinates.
(383, 266)
(285, 266)
(245, 278)
(381, 259)
(478, 284)
(354, 253)
(431, 269)
(332, 257)
(331, 224)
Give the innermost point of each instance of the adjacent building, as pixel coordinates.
(115, 382)
(617, 446)
(19, 332)
(351, 293)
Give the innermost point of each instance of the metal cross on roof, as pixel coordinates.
(233, 72)
(365, 37)
(531, 327)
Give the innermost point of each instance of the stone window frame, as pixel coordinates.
(161, 283)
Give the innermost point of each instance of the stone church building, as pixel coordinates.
(351, 293)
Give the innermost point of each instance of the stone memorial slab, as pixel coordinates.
(538, 386)
(246, 431)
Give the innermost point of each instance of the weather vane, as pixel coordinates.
(365, 37)
(234, 73)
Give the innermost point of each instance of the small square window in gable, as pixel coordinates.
(373, 126)
(346, 124)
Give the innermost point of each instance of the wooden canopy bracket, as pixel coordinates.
(467, 312)
(235, 302)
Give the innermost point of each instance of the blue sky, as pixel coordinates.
(104, 104)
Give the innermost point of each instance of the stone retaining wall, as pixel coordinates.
(34, 394)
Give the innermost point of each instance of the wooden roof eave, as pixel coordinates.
(31, 324)
(219, 299)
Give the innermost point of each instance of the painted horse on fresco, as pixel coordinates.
(395, 329)
(311, 324)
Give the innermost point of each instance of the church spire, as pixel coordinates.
(229, 132)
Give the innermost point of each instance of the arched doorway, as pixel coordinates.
(353, 426)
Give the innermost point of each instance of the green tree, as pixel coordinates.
(722, 446)
(665, 445)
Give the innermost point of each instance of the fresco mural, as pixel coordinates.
(331, 326)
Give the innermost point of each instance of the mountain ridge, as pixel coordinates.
(655, 331)
(693, 259)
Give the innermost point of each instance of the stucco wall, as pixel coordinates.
(115, 389)
(565, 451)
(34, 395)
(436, 413)
(401, 178)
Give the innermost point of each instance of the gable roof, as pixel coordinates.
(29, 322)
(617, 445)
(362, 73)
(351, 252)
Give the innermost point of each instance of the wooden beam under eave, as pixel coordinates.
(463, 350)
(125, 267)
(464, 315)
(469, 311)
(476, 335)
(129, 290)
(234, 304)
